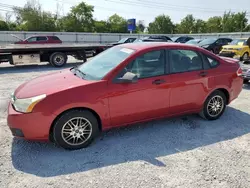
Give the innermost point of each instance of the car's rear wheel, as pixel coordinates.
(75, 129)
(214, 106)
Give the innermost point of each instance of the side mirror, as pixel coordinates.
(128, 77)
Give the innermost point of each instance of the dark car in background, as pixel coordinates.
(124, 40)
(40, 40)
(214, 44)
(182, 39)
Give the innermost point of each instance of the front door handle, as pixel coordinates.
(203, 74)
(158, 82)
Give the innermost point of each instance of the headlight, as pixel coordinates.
(238, 49)
(26, 105)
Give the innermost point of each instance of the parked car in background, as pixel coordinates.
(160, 37)
(214, 45)
(125, 84)
(245, 66)
(194, 41)
(237, 49)
(182, 39)
(124, 40)
(40, 40)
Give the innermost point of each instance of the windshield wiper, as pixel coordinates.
(77, 70)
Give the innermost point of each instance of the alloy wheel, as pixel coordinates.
(215, 106)
(76, 131)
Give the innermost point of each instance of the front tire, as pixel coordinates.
(75, 129)
(214, 106)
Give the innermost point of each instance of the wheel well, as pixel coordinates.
(79, 108)
(226, 93)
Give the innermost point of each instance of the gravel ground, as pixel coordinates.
(180, 152)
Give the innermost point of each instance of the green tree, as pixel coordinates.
(80, 19)
(187, 25)
(32, 18)
(234, 22)
(200, 26)
(3, 26)
(214, 24)
(117, 24)
(101, 27)
(161, 25)
(140, 26)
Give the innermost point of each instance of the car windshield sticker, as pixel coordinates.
(127, 50)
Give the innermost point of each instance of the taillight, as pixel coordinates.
(239, 72)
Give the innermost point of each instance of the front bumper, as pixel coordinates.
(229, 54)
(31, 126)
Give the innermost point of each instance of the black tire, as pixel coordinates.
(58, 59)
(60, 124)
(245, 56)
(246, 81)
(205, 112)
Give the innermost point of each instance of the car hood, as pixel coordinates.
(233, 46)
(49, 84)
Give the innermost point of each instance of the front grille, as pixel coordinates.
(227, 54)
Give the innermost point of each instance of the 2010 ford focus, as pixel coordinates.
(123, 85)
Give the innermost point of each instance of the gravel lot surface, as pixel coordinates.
(186, 152)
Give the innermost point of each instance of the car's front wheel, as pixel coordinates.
(75, 129)
(214, 106)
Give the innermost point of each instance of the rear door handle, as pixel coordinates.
(203, 74)
(158, 82)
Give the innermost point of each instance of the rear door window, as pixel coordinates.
(41, 38)
(184, 61)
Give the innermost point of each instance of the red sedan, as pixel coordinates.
(123, 85)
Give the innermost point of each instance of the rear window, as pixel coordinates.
(212, 63)
(55, 38)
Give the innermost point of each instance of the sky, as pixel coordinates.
(145, 10)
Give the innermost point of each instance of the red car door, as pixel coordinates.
(146, 99)
(189, 83)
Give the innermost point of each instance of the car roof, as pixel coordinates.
(148, 45)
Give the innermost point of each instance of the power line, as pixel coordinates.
(181, 6)
(157, 6)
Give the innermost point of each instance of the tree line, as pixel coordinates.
(31, 17)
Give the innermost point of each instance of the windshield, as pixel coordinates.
(122, 40)
(102, 64)
(207, 41)
(239, 42)
(194, 41)
(174, 38)
(137, 40)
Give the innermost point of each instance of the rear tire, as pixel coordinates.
(214, 106)
(58, 59)
(75, 129)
